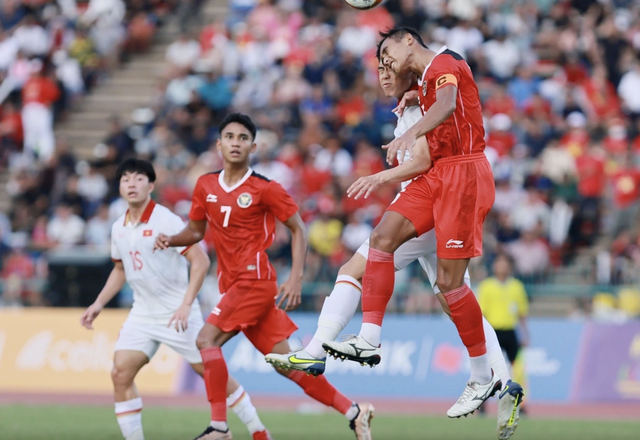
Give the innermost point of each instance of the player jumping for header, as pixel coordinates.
(165, 308)
(340, 306)
(241, 208)
(454, 197)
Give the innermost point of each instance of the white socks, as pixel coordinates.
(240, 402)
(371, 333)
(129, 415)
(494, 352)
(337, 311)
(352, 413)
(480, 369)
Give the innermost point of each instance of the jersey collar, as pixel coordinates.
(424, 74)
(240, 182)
(146, 215)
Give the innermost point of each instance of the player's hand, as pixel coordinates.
(401, 144)
(291, 292)
(364, 185)
(410, 98)
(180, 318)
(162, 242)
(89, 315)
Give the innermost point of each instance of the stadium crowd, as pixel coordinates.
(559, 82)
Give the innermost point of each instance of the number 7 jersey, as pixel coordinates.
(242, 222)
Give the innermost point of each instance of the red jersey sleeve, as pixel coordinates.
(198, 201)
(444, 71)
(278, 202)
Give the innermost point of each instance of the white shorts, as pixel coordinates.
(137, 336)
(423, 249)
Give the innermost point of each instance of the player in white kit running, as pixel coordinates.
(340, 306)
(165, 307)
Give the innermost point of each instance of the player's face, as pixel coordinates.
(395, 54)
(502, 267)
(392, 84)
(236, 144)
(135, 188)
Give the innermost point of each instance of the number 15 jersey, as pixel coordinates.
(242, 222)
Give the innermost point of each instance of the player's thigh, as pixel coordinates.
(465, 196)
(357, 263)
(212, 336)
(136, 337)
(184, 341)
(393, 230)
(414, 205)
(270, 332)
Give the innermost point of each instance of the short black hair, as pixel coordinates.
(398, 33)
(240, 119)
(139, 166)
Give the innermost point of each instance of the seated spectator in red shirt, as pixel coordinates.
(599, 97)
(626, 196)
(500, 137)
(616, 141)
(499, 102)
(577, 138)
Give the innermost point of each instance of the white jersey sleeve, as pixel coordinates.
(409, 118)
(115, 252)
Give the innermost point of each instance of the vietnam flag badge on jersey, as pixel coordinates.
(147, 233)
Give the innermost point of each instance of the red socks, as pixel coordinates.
(467, 316)
(377, 286)
(215, 380)
(321, 390)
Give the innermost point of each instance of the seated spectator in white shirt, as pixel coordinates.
(8, 50)
(92, 185)
(65, 229)
(184, 52)
(99, 228)
(32, 39)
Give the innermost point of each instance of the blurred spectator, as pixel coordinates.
(98, 231)
(334, 158)
(184, 52)
(530, 255)
(628, 91)
(38, 95)
(65, 229)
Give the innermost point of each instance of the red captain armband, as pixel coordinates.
(446, 80)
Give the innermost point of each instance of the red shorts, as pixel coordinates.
(454, 197)
(249, 306)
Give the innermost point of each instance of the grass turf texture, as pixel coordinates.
(98, 423)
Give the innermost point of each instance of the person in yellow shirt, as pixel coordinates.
(504, 303)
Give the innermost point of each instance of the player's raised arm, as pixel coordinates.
(439, 112)
(192, 233)
(200, 264)
(114, 284)
(419, 165)
(291, 290)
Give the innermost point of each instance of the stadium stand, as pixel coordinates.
(559, 80)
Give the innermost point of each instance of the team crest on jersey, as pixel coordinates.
(424, 87)
(147, 233)
(244, 200)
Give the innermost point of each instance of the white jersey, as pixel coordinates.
(409, 117)
(159, 279)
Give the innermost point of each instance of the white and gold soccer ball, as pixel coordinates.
(363, 4)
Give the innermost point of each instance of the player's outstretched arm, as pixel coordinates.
(408, 170)
(199, 267)
(114, 284)
(291, 290)
(190, 235)
(439, 112)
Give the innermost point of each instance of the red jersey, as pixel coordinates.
(242, 221)
(463, 132)
(41, 90)
(626, 187)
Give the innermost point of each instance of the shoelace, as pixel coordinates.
(468, 393)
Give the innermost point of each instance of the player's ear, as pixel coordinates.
(219, 145)
(152, 186)
(408, 39)
(254, 147)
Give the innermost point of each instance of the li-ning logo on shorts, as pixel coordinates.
(216, 311)
(455, 244)
(244, 200)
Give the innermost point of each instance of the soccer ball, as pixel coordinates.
(363, 4)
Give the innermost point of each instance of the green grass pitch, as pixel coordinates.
(98, 423)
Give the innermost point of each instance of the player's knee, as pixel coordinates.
(121, 376)
(203, 341)
(382, 241)
(447, 283)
